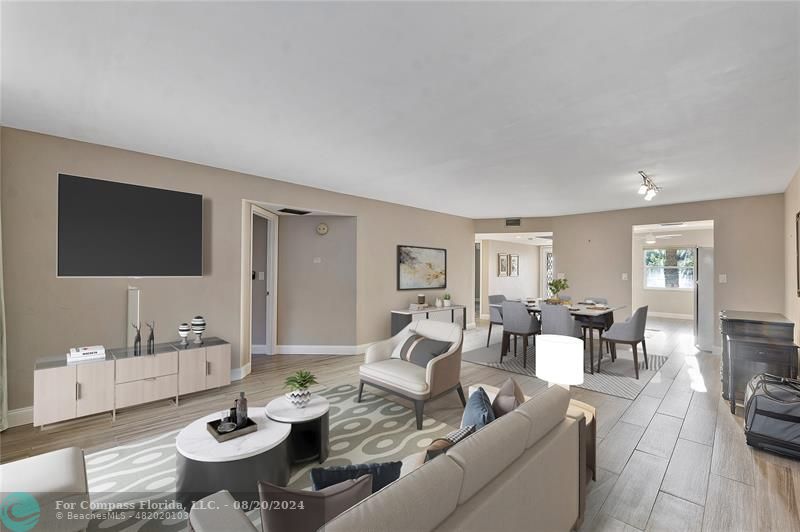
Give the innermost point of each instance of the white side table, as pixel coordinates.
(309, 427)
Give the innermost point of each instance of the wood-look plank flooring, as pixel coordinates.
(674, 459)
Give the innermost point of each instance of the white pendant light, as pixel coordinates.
(643, 189)
(650, 194)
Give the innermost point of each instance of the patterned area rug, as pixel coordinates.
(143, 473)
(615, 378)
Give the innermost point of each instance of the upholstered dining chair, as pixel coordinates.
(597, 323)
(495, 314)
(556, 319)
(631, 332)
(517, 321)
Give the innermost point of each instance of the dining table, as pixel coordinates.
(583, 311)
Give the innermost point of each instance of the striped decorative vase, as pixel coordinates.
(198, 328)
(183, 331)
(299, 398)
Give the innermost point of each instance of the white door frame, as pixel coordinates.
(250, 209)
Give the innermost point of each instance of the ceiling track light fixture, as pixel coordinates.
(648, 188)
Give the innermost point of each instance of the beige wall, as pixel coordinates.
(791, 200)
(595, 249)
(47, 315)
(671, 302)
(316, 281)
(527, 283)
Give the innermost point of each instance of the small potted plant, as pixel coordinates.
(299, 394)
(447, 301)
(556, 286)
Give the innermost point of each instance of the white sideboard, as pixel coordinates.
(64, 391)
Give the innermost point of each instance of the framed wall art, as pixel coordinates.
(420, 268)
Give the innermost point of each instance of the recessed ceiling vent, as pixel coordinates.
(512, 222)
(287, 210)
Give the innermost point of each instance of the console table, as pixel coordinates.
(63, 391)
(402, 317)
(752, 343)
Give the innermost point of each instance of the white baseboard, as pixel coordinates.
(238, 374)
(321, 349)
(20, 416)
(259, 349)
(672, 315)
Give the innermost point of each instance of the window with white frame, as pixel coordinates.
(669, 268)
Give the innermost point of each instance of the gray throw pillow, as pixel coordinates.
(420, 350)
(508, 398)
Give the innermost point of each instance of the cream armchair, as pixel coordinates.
(390, 373)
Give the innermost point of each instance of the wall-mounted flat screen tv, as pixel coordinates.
(108, 229)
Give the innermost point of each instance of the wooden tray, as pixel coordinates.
(249, 427)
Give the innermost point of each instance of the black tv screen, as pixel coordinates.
(108, 229)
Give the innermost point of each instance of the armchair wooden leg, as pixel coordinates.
(360, 391)
(460, 391)
(418, 407)
(636, 360)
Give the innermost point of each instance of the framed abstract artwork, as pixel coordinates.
(420, 268)
(513, 266)
(502, 265)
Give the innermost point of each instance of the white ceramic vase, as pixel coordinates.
(299, 398)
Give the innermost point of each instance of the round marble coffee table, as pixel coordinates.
(205, 466)
(310, 425)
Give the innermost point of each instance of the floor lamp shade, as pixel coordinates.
(559, 359)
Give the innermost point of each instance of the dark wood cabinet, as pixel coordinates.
(752, 343)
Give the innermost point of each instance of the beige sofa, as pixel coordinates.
(520, 472)
(384, 369)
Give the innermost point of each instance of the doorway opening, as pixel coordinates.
(252, 212)
(508, 264)
(261, 330)
(672, 273)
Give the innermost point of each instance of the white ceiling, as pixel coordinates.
(476, 109)
(530, 239)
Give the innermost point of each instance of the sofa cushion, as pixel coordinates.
(382, 474)
(306, 511)
(418, 501)
(508, 397)
(397, 373)
(545, 411)
(478, 410)
(485, 454)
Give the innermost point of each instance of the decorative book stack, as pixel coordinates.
(82, 354)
